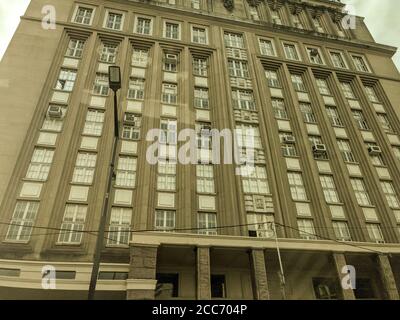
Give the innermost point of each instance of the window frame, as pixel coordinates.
(116, 13)
(136, 25)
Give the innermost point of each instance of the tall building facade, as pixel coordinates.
(316, 102)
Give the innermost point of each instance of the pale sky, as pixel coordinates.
(381, 18)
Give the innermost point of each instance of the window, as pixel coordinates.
(114, 21)
(170, 62)
(341, 230)
(308, 113)
(140, 57)
(101, 84)
(169, 93)
(396, 151)
(360, 192)
(272, 78)
(126, 172)
(75, 48)
(131, 132)
(199, 35)
(297, 82)
(172, 30)
(254, 180)
(347, 90)
(83, 15)
(136, 89)
(390, 193)
(218, 287)
(201, 98)
(325, 288)
(316, 140)
(22, 221)
(376, 158)
(39, 167)
(66, 80)
(200, 67)
(371, 94)
(261, 225)
(306, 229)
(207, 223)
(275, 17)
(375, 232)
(288, 149)
(108, 53)
(323, 87)
(267, 47)
(383, 119)
(315, 56)
(317, 24)
(233, 40)
(334, 117)
(254, 13)
(339, 28)
(360, 120)
(345, 149)
(278, 106)
(243, 99)
(205, 178)
(169, 130)
(296, 186)
(52, 124)
(329, 189)
(165, 220)
(238, 68)
(248, 136)
(196, 4)
(120, 226)
(338, 60)
(296, 21)
(73, 224)
(166, 179)
(203, 131)
(291, 51)
(94, 123)
(110, 275)
(84, 168)
(144, 26)
(360, 63)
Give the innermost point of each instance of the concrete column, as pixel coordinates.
(339, 260)
(203, 277)
(259, 275)
(387, 277)
(142, 282)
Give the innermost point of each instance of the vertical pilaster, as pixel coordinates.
(259, 275)
(203, 276)
(387, 277)
(141, 283)
(339, 260)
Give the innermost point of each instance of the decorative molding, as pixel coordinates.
(229, 4)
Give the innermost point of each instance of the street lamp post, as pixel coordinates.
(114, 73)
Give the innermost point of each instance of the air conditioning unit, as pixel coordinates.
(130, 118)
(171, 58)
(319, 148)
(374, 150)
(289, 139)
(55, 112)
